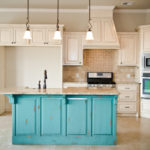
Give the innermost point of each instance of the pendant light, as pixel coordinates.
(27, 34)
(89, 34)
(57, 34)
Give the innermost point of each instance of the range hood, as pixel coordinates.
(104, 31)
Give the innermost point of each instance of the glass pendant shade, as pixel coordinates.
(89, 35)
(27, 35)
(57, 35)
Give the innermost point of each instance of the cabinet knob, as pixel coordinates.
(12, 42)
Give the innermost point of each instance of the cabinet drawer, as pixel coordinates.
(127, 87)
(126, 107)
(127, 97)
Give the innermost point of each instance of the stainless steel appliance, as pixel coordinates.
(100, 79)
(146, 62)
(145, 86)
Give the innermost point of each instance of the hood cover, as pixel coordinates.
(104, 31)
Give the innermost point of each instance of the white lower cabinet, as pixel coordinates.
(128, 100)
(73, 48)
(126, 107)
(145, 108)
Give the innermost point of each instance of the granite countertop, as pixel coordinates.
(68, 91)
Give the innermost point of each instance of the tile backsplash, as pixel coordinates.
(99, 61)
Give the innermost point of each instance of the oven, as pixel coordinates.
(146, 62)
(145, 86)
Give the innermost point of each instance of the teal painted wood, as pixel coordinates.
(25, 116)
(77, 116)
(64, 119)
(102, 116)
(51, 116)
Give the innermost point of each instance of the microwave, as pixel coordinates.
(146, 62)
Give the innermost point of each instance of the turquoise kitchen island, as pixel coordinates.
(71, 116)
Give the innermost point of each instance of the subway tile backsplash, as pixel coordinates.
(99, 61)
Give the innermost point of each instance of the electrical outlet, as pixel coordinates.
(128, 76)
(77, 75)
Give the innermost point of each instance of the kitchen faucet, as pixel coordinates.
(45, 77)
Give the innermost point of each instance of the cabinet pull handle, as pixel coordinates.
(127, 96)
(127, 88)
(127, 107)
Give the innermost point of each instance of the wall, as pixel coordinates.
(123, 21)
(25, 66)
(2, 78)
(128, 22)
(99, 61)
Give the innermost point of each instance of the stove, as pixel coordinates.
(100, 80)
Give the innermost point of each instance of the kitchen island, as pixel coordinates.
(81, 116)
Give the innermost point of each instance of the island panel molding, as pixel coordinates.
(63, 119)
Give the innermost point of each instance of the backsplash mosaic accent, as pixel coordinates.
(99, 61)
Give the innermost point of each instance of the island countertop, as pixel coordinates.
(61, 91)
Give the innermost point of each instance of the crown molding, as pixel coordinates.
(80, 11)
(134, 11)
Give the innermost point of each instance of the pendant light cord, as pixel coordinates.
(27, 23)
(57, 15)
(90, 25)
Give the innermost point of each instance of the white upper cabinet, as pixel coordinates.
(73, 48)
(6, 35)
(18, 34)
(50, 37)
(128, 52)
(38, 36)
(42, 35)
(145, 38)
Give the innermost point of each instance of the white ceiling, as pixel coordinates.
(73, 4)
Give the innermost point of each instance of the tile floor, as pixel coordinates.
(132, 134)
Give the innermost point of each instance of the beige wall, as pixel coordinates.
(2, 78)
(76, 21)
(25, 66)
(128, 22)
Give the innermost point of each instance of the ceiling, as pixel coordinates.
(74, 4)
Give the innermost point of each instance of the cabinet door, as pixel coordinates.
(102, 116)
(25, 116)
(128, 51)
(6, 35)
(51, 116)
(50, 38)
(73, 50)
(38, 36)
(77, 116)
(18, 36)
(146, 39)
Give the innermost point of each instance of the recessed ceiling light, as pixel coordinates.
(127, 3)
